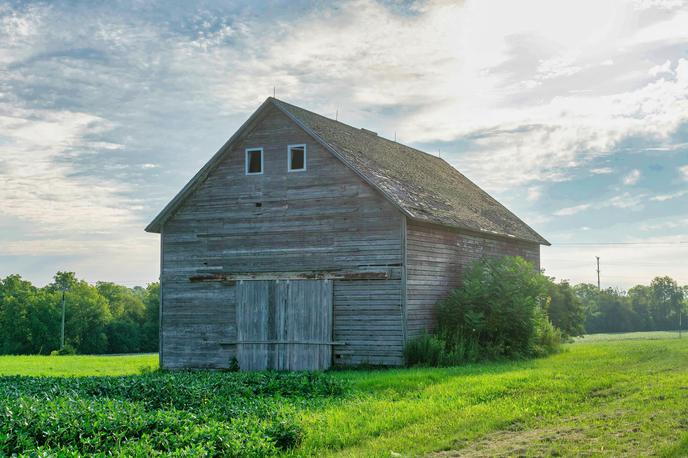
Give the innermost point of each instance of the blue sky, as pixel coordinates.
(573, 114)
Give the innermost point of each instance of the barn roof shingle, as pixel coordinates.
(426, 188)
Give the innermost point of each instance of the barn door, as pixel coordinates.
(252, 313)
(284, 324)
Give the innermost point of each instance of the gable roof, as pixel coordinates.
(424, 187)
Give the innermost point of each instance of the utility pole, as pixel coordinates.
(63, 321)
(598, 272)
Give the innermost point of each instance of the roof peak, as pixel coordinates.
(422, 186)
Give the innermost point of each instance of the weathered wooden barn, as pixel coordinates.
(305, 242)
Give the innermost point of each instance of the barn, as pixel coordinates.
(305, 243)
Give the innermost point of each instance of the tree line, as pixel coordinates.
(111, 318)
(100, 318)
(658, 306)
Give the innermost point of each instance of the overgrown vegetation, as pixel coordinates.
(199, 413)
(105, 318)
(500, 311)
(506, 309)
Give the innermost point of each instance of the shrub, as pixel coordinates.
(424, 350)
(494, 310)
(66, 350)
(547, 338)
(497, 313)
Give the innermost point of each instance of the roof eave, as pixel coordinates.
(540, 240)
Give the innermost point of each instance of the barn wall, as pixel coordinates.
(323, 219)
(436, 257)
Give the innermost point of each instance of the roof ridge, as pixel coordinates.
(357, 128)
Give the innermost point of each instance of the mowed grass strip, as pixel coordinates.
(622, 397)
(77, 365)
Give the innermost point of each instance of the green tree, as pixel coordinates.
(15, 296)
(667, 299)
(127, 311)
(565, 309)
(150, 332)
(641, 298)
(44, 322)
(87, 314)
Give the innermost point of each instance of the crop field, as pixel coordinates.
(600, 397)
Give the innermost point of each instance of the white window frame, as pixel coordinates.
(246, 161)
(305, 157)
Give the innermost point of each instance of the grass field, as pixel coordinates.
(610, 395)
(78, 365)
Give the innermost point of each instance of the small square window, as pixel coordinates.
(297, 158)
(254, 161)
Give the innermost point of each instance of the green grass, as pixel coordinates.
(77, 365)
(618, 398)
(630, 336)
(619, 395)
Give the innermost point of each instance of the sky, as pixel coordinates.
(572, 114)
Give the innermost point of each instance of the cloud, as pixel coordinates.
(534, 193)
(632, 177)
(624, 201)
(602, 171)
(665, 197)
(683, 171)
(665, 225)
(38, 179)
(660, 69)
(568, 211)
(118, 106)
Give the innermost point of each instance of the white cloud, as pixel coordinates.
(632, 177)
(568, 211)
(659, 69)
(665, 197)
(625, 201)
(602, 171)
(683, 170)
(534, 193)
(40, 186)
(665, 225)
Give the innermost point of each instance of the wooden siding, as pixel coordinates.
(322, 219)
(368, 318)
(436, 257)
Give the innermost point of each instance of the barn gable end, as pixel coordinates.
(325, 221)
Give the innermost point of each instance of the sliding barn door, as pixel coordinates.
(252, 316)
(284, 324)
